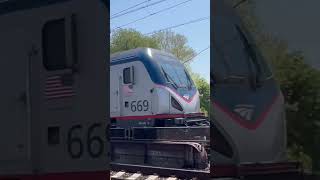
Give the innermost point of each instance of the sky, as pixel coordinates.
(198, 34)
(295, 21)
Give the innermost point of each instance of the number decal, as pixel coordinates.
(74, 140)
(133, 106)
(146, 105)
(93, 141)
(140, 105)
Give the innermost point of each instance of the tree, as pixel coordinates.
(125, 39)
(204, 91)
(175, 44)
(300, 85)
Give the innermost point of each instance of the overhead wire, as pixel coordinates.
(178, 25)
(203, 50)
(152, 14)
(137, 9)
(130, 7)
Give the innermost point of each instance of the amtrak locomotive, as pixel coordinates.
(149, 87)
(248, 107)
(52, 62)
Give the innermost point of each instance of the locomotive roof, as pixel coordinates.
(138, 52)
(7, 6)
(144, 55)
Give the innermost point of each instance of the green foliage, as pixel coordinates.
(300, 85)
(246, 10)
(126, 39)
(175, 44)
(295, 153)
(204, 91)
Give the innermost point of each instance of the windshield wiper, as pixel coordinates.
(235, 79)
(189, 80)
(189, 84)
(169, 78)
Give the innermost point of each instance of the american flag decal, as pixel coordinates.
(59, 86)
(127, 90)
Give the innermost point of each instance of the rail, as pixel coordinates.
(162, 171)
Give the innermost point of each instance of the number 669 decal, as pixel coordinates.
(74, 141)
(139, 105)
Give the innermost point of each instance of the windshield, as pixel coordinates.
(176, 75)
(237, 58)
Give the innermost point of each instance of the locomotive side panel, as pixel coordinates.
(136, 101)
(57, 93)
(114, 92)
(15, 123)
(162, 97)
(76, 109)
(135, 89)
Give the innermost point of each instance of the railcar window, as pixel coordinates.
(54, 45)
(127, 75)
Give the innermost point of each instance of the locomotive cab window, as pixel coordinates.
(261, 68)
(176, 75)
(59, 43)
(54, 45)
(128, 74)
(234, 63)
(239, 58)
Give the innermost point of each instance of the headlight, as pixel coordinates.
(175, 104)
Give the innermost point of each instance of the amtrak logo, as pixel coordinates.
(245, 111)
(186, 96)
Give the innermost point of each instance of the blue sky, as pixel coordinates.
(198, 34)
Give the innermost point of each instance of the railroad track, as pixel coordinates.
(140, 172)
(122, 175)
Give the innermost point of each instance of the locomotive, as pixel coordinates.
(149, 87)
(52, 53)
(248, 121)
(153, 104)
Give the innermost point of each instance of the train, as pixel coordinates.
(149, 87)
(248, 119)
(53, 70)
(154, 106)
